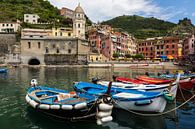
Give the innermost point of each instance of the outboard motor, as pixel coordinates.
(33, 82)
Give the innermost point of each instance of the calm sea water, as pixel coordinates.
(16, 114)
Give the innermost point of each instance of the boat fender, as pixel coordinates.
(107, 99)
(105, 107)
(44, 106)
(56, 107)
(33, 103)
(67, 107)
(104, 114)
(28, 99)
(99, 122)
(106, 119)
(143, 102)
(80, 105)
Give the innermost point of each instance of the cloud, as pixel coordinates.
(99, 10)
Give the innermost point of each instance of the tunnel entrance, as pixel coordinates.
(34, 62)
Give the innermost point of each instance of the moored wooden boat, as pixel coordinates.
(127, 99)
(61, 103)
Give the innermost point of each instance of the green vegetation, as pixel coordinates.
(141, 27)
(138, 56)
(11, 10)
(183, 28)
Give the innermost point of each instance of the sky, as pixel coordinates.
(102, 10)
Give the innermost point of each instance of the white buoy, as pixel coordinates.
(104, 114)
(106, 119)
(105, 107)
(99, 122)
(33, 82)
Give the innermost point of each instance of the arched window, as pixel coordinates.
(79, 25)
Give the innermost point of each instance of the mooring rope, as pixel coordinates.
(158, 114)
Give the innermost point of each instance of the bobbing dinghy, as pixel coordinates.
(61, 103)
(3, 70)
(127, 99)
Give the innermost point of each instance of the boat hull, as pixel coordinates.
(145, 87)
(157, 105)
(61, 104)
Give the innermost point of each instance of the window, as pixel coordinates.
(79, 25)
(33, 16)
(26, 15)
(7, 24)
(151, 48)
(11, 25)
(167, 52)
(69, 51)
(29, 45)
(46, 50)
(69, 34)
(79, 15)
(56, 33)
(33, 20)
(39, 45)
(60, 33)
(167, 46)
(57, 50)
(157, 47)
(162, 47)
(3, 25)
(173, 52)
(173, 46)
(26, 20)
(54, 46)
(79, 32)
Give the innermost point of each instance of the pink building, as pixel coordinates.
(189, 45)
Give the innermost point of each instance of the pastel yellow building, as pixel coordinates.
(62, 32)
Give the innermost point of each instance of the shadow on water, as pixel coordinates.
(40, 120)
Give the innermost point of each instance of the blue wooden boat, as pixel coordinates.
(61, 103)
(127, 99)
(3, 70)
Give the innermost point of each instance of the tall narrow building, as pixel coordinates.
(79, 22)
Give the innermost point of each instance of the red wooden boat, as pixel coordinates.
(187, 84)
(129, 80)
(154, 80)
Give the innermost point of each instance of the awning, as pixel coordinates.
(170, 57)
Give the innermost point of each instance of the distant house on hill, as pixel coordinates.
(9, 27)
(67, 13)
(31, 18)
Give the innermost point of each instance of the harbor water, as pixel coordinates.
(16, 114)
